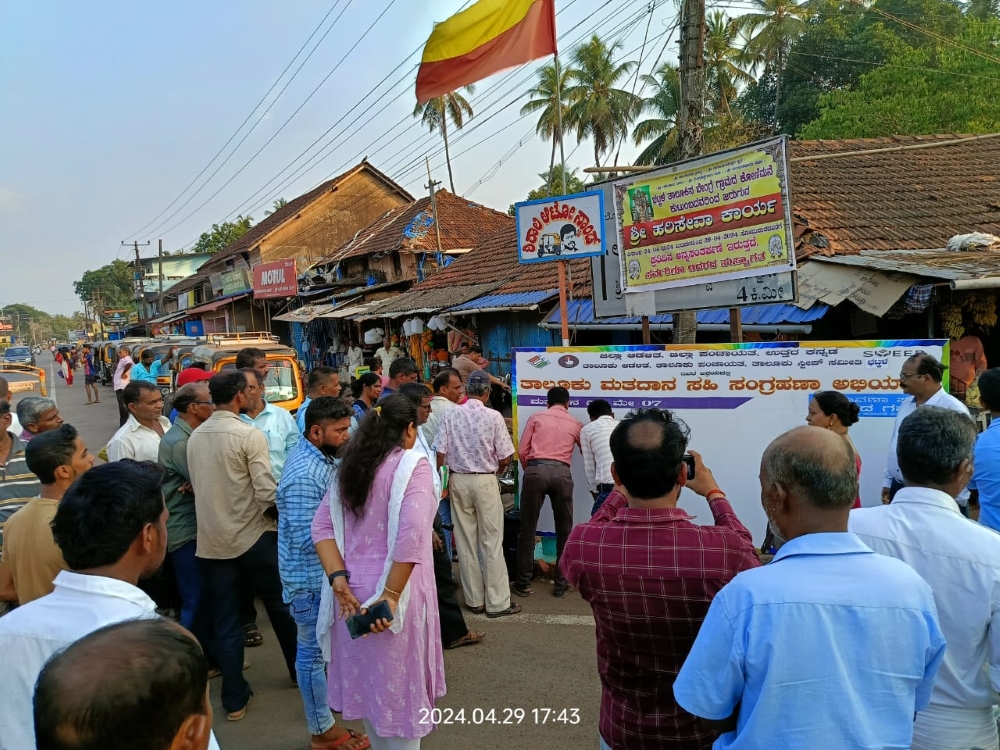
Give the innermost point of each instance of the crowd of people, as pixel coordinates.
(871, 627)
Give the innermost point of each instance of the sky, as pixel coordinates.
(112, 109)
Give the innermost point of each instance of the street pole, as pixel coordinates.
(159, 298)
(431, 185)
(563, 307)
(691, 121)
(140, 289)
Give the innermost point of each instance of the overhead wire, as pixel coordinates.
(250, 114)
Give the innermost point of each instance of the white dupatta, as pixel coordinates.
(327, 610)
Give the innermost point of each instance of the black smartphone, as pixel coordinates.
(359, 625)
(689, 460)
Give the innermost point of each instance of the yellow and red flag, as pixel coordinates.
(482, 40)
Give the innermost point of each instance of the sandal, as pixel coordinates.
(252, 636)
(523, 592)
(563, 592)
(477, 610)
(352, 735)
(513, 609)
(241, 714)
(469, 639)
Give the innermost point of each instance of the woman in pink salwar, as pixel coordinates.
(373, 535)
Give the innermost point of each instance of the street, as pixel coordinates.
(542, 659)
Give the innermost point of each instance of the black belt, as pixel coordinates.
(605, 487)
(546, 462)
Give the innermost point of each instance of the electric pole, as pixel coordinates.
(690, 123)
(140, 286)
(432, 186)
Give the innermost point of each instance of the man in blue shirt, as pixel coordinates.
(148, 369)
(828, 646)
(323, 381)
(276, 423)
(307, 476)
(986, 477)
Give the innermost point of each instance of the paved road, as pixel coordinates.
(542, 659)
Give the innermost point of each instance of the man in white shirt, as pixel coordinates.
(961, 562)
(111, 528)
(920, 379)
(595, 444)
(139, 438)
(120, 379)
(448, 391)
(276, 423)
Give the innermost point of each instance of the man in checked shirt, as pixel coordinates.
(650, 573)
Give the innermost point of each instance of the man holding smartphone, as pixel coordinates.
(650, 573)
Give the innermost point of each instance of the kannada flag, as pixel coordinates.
(482, 40)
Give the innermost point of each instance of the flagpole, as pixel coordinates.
(563, 307)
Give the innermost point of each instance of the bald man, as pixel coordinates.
(136, 683)
(830, 645)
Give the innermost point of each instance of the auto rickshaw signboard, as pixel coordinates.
(560, 228)
(725, 216)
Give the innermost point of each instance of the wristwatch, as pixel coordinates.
(336, 574)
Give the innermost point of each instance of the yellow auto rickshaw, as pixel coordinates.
(283, 386)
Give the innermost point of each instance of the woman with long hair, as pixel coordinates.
(373, 536)
(832, 410)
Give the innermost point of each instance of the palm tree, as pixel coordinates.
(598, 109)
(724, 60)
(552, 82)
(435, 114)
(278, 205)
(664, 105)
(770, 31)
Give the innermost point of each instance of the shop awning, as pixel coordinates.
(304, 314)
(516, 301)
(169, 318)
(350, 310)
(581, 315)
(833, 280)
(216, 304)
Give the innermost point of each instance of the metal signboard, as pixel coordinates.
(560, 228)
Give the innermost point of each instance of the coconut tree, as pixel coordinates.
(770, 30)
(436, 113)
(724, 62)
(278, 205)
(552, 82)
(661, 128)
(598, 109)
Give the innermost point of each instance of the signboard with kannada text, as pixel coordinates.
(277, 279)
(724, 216)
(560, 228)
(735, 398)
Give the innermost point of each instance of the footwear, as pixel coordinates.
(469, 639)
(239, 715)
(513, 609)
(252, 636)
(216, 672)
(477, 610)
(320, 742)
(560, 593)
(517, 591)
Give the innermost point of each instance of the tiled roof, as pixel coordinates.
(896, 193)
(410, 228)
(496, 258)
(432, 299)
(269, 223)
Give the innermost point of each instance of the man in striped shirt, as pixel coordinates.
(17, 484)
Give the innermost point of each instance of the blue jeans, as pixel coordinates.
(444, 510)
(188, 578)
(599, 499)
(309, 665)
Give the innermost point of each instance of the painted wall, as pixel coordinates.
(501, 332)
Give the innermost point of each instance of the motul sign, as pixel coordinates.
(277, 279)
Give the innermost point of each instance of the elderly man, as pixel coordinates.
(649, 574)
(111, 528)
(149, 368)
(961, 562)
(7, 395)
(448, 392)
(237, 538)
(30, 559)
(37, 414)
(138, 679)
(545, 453)
(323, 381)
(139, 438)
(194, 406)
(474, 443)
(830, 645)
(120, 379)
(276, 423)
(920, 379)
(402, 371)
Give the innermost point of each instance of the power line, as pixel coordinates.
(250, 114)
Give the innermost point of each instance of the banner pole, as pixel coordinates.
(563, 308)
(563, 311)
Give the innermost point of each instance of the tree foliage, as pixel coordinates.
(32, 324)
(222, 235)
(113, 283)
(436, 113)
(573, 185)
